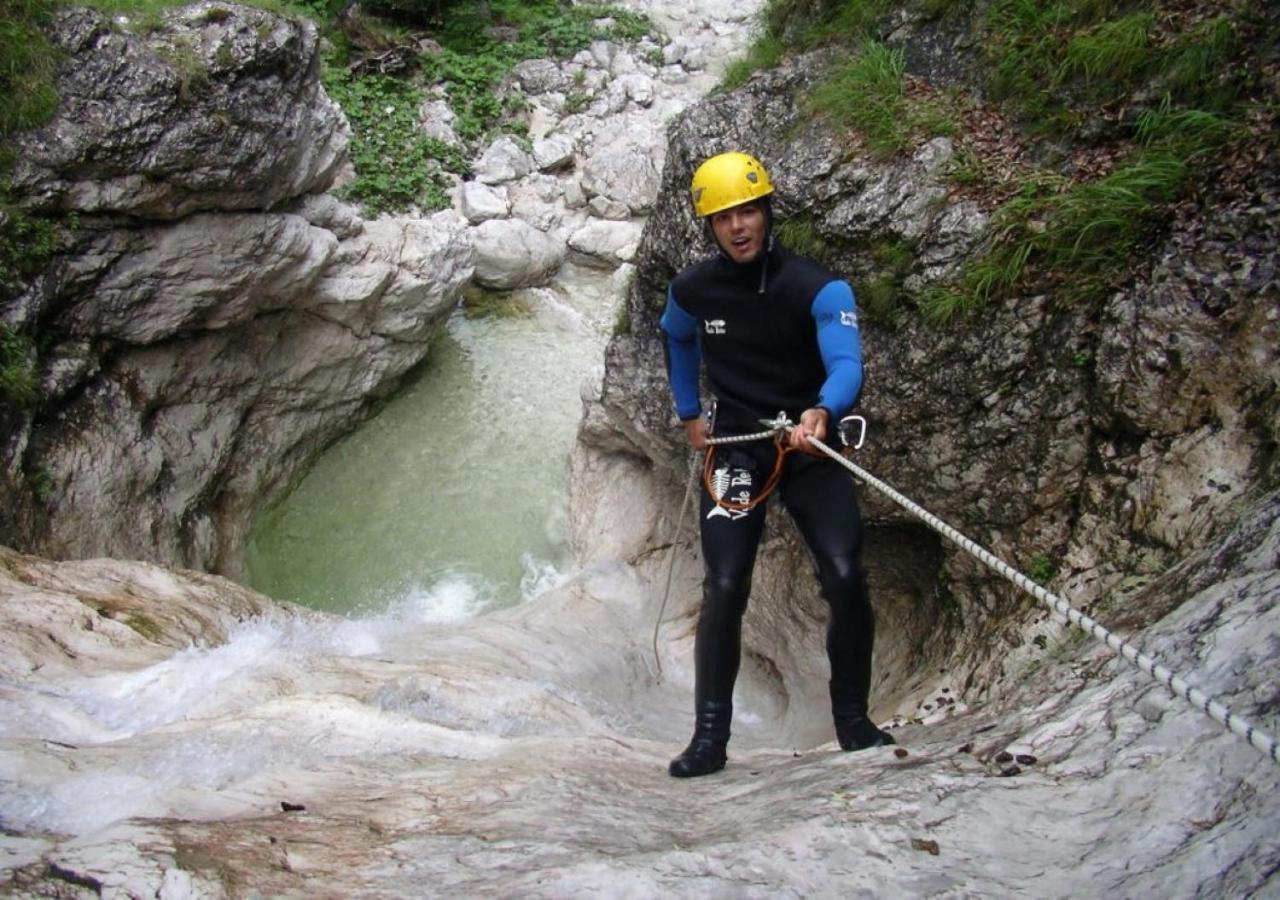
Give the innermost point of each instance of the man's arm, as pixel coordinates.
(684, 357)
(836, 318)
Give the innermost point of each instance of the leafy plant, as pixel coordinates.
(1041, 569)
(397, 166)
(18, 384)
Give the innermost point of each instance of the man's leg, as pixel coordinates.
(821, 498)
(729, 541)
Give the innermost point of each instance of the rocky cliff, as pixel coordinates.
(218, 320)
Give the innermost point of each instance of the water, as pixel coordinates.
(451, 497)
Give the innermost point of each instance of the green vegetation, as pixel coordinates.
(1041, 569)
(18, 385)
(764, 53)
(800, 233)
(27, 65)
(881, 298)
(868, 94)
(396, 165)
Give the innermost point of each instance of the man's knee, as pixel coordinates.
(844, 583)
(725, 595)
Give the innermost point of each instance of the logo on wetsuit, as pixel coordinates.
(724, 480)
(849, 317)
(714, 326)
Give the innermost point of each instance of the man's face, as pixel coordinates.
(740, 231)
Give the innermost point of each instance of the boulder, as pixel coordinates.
(512, 254)
(437, 121)
(553, 152)
(607, 243)
(625, 167)
(503, 160)
(481, 201)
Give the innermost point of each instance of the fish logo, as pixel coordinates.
(722, 479)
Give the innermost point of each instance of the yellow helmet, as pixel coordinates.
(728, 179)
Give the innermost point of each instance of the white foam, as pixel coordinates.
(454, 598)
(539, 577)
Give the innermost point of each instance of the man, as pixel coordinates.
(777, 333)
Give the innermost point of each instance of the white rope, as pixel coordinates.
(671, 563)
(1260, 740)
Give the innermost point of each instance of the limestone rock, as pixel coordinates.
(626, 167)
(503, 161)
(218, 107)
(554, 152)
(511, 254)
(609, 243)
(539, 76)
(437, 121)
(481, 201)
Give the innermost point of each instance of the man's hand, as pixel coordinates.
(697, 431)
(813, 423)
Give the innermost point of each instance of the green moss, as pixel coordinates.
(144, 626)
(1041, 569)
(478, 303)
(622, 323)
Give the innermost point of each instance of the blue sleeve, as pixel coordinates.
(836, 318)
(684, 356)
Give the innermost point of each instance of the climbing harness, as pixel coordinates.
(1176, 684)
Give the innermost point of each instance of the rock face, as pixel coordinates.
(218, 322)
(217, 108)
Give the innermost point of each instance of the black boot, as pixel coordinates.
(706, 752)
(857, 732)
(854, 730)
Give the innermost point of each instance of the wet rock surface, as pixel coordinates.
(525, 752)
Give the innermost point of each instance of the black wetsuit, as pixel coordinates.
(789, 347)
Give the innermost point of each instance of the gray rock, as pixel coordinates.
(605, 208)
(437, 121)
(539, 76)
(638, 88)
(608, 243)
(504, 160)
(481, 201)
(512, 254)
(328, 212)
(203, 112)
(625, 167)
(554, 152)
